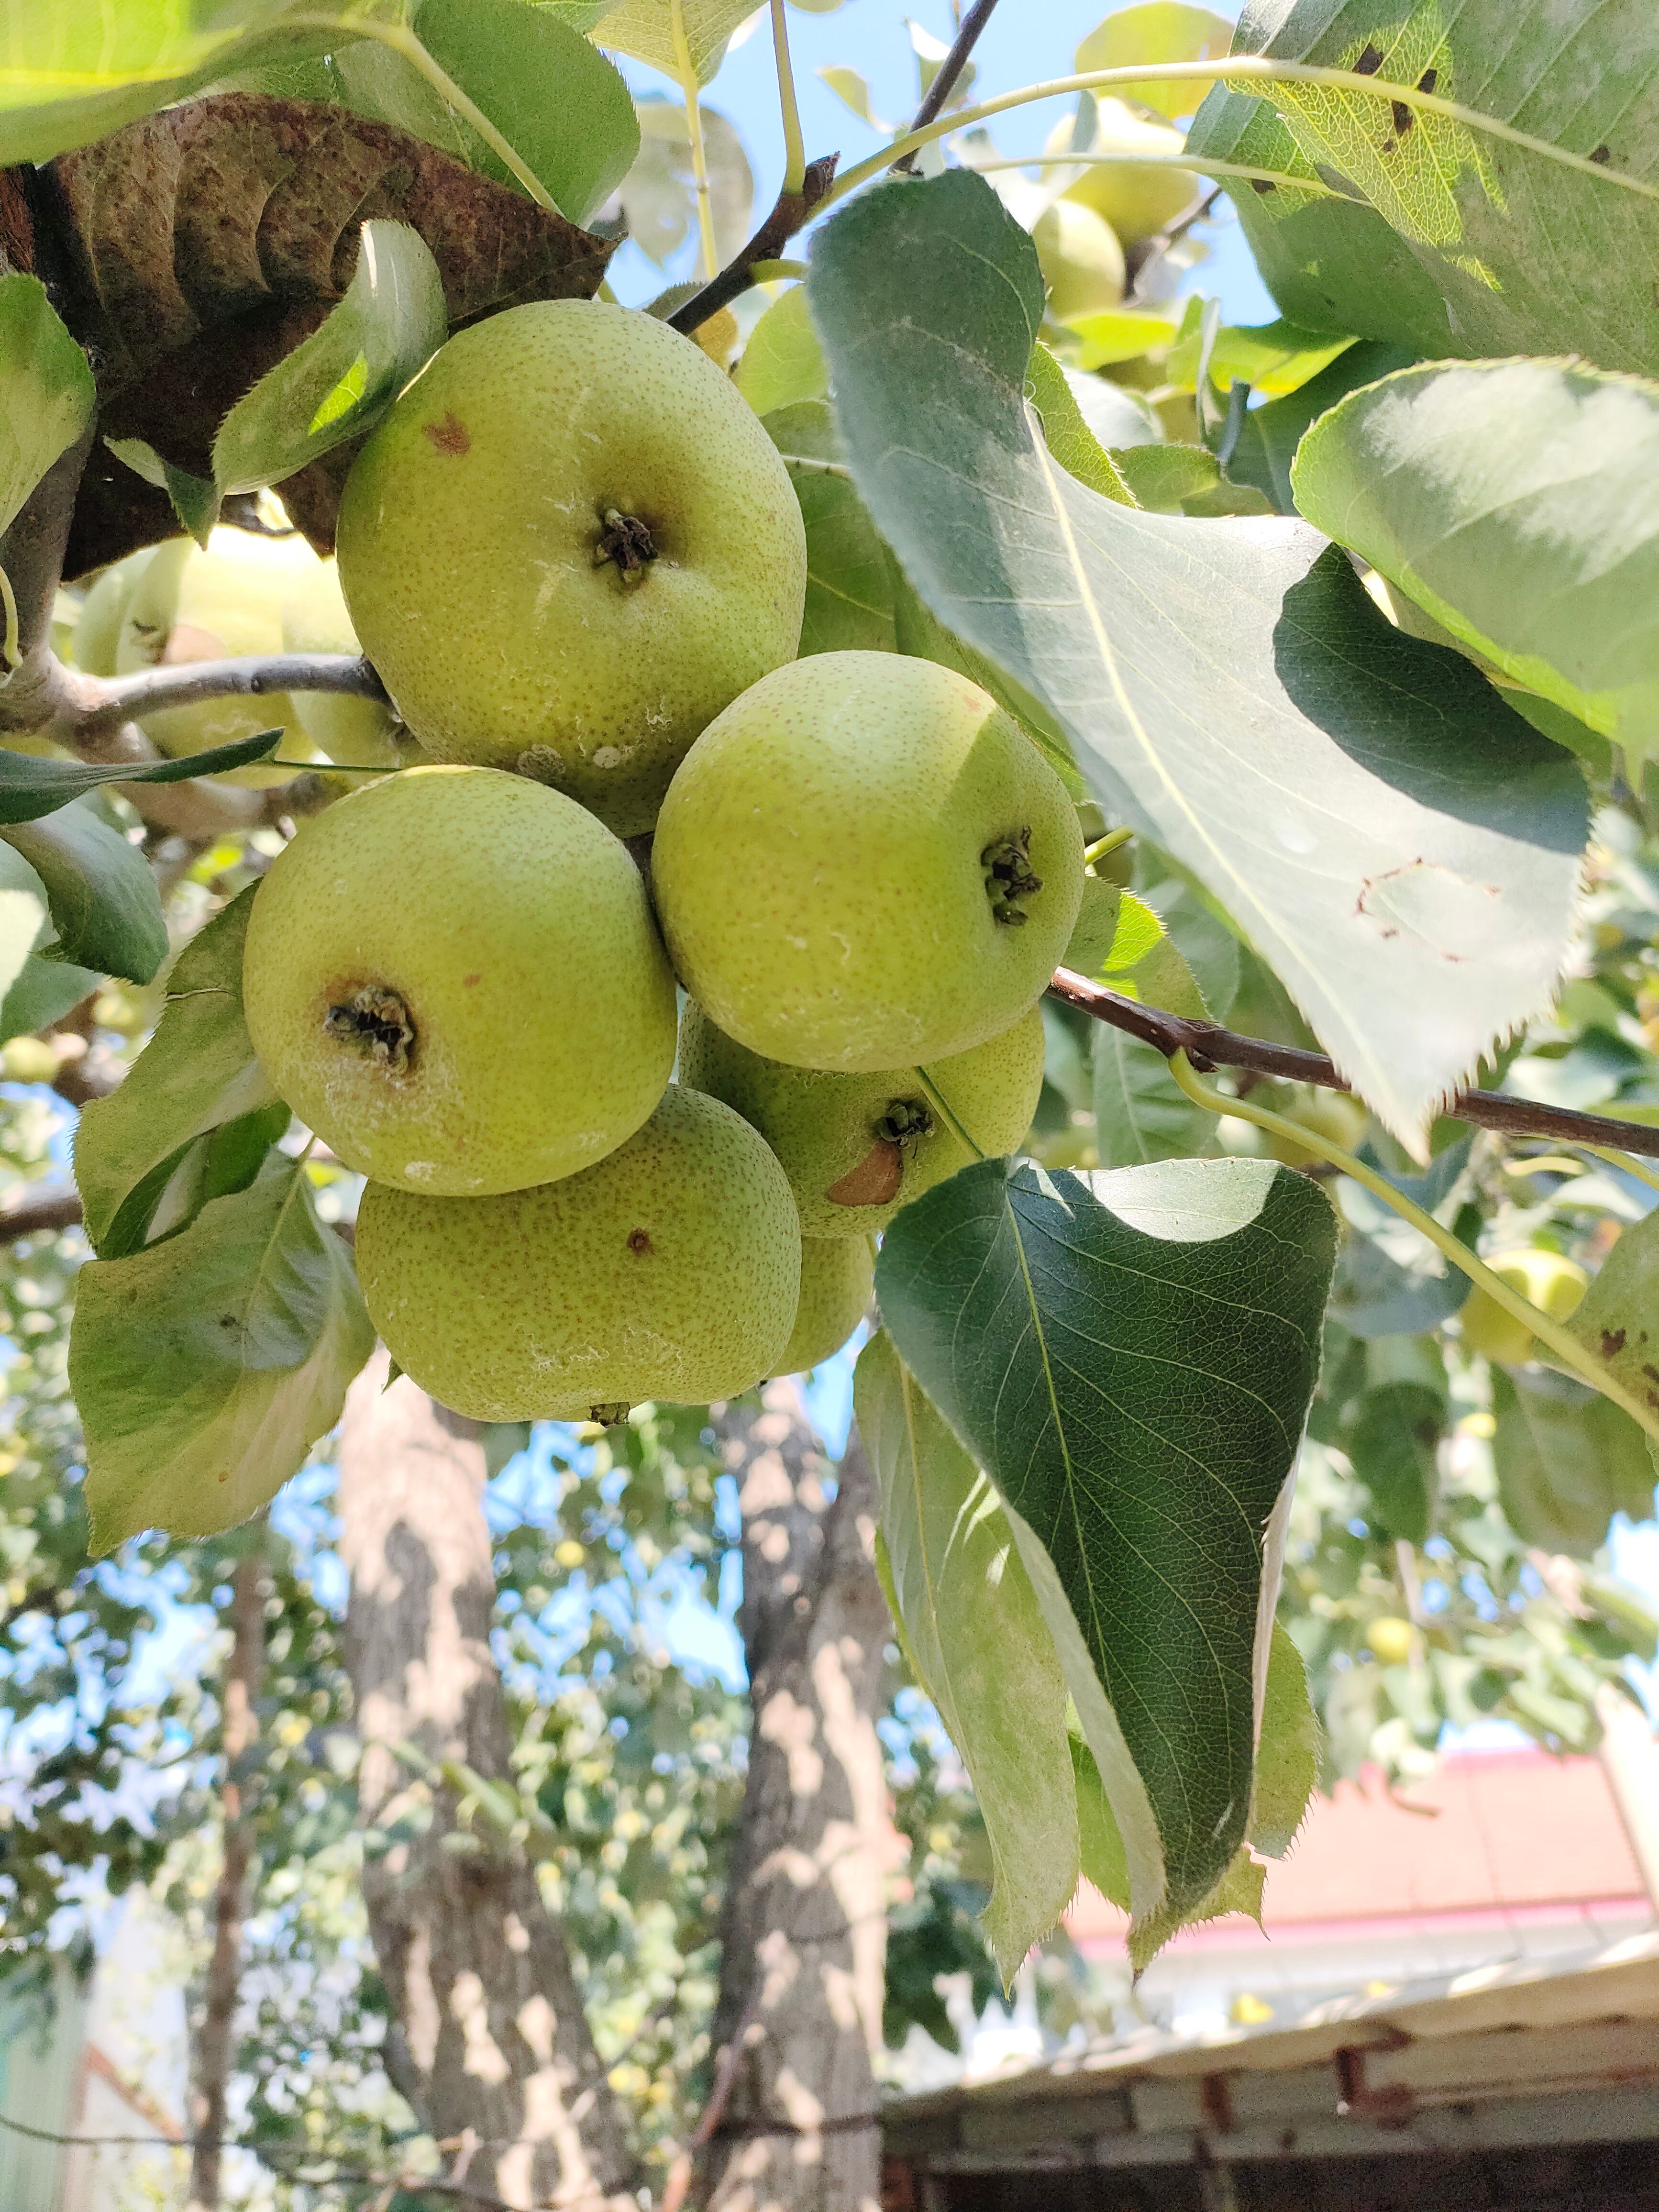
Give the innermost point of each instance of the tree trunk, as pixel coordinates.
(215, 2039)
(489, 2043)
(804, 1927)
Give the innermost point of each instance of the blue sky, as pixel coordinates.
(1026, 42)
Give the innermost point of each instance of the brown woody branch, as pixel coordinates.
(944, 77)
(106, 703)
(1208, 1045)
(790, 212)
(60, 1210)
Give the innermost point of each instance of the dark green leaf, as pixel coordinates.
(1374, 1296)
(1401, 847)
(1619, 1318)
(46, 392)
(196, 1073)
(206, 1366)
(32, 785)
(105, 905)
(42, 993)
(1131, 1358)
(346, 375)
(1267, 445)
(1393, 1443)
(196, 499)
(849, 580)
(1567, 1460)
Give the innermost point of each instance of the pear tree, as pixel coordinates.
(1000, 644)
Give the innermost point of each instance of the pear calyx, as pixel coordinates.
(1009, 876)
(627, 541)
(375, 1022)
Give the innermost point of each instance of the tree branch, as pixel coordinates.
(944, 77)
(101, 704)
(790, 212)
(60, 1210)
(1207, 1045)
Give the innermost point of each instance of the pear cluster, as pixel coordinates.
(579, 565)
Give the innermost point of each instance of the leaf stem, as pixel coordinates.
(816, 467)
(941, 1105)
(794, 148)
(707, 254)
(1623, 1160)
(1237, 68)
(1560, 1340)
(402, 40)
(1109, 843)
(1165, 161)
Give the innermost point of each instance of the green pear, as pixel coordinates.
(186, 604)
(857, 1147)
(98, 628)
(1081, 260)
(567, 547)
(836, 1275)
(864, 863)
(355, 732)
(452, 976)
(1551, 1280)
(671, 1270)
(1140, 199)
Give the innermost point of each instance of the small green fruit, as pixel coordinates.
(1335, 1114)
(865, 863)
(1552, 1281)
(857, 1147)
(1138, 200)
(186, 604)
(29, 1060)
(1081, 260)
(98, 628)
(356, 732)
(452, 977)
(837, 1273)
(1392, 1641)
(567, 547)
(671, 1270)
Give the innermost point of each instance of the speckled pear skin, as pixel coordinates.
(828, 1129)
(513, 932)
(836, 1275)
(818, 867)
(467, 538)
(672, 1271)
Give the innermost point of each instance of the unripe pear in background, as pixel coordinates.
(186, 604)
(1139, 200)
(355, 732)
(1335, 1114)
(672, 1271)
(1549, 1279)
(452, 976)
(857, 1147)
(98, 627)
(1081, 260)
(1391, 1640)
(864, 863)
(567, 547)
(837, 1274)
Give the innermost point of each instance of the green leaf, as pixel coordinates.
(1161, 478)
(1120, 334)
(984, 1655)
(196, 1073)
(31, 785)
(24, 918)
(48, 393)
(1618, 1318)
(1393, 1444)
(1518, 503)
(850, 576)
(645, 29)
(1288, 1757)
(1161, 31)
(1374, 1295)
(1500, 231)
(1567, 1460)
(1401, 847)
(658, 193)
(1141, 1113)
(1272, 357)
(206, 1366)
(77, 70)
(42, 993)
(346, 375)
(783, 361)
(1065, 433)
(1267, 445)
(196, 499)
(105, 905)
(1037, 1313)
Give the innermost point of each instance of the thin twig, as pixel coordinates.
(1145, 257)
(725, 2080)
(111, 700)
(790, 211)
(62, 1210)
(1208, 1045)
(944, 77)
